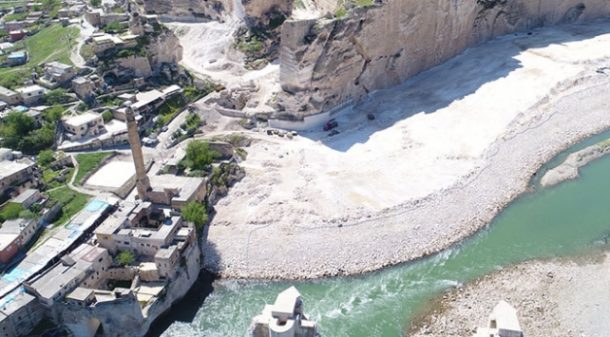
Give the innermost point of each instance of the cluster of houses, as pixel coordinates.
(93, 289)
(33, 18)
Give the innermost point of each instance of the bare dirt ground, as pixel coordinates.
(447, 150)
(553, 298)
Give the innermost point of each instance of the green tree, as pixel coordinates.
(45, 157)
(15, 126)
(38, 139)
(107, 116)
(125, 258)
(56, 96)
(54, 113)
(196, 213)
(199, 155)
(96, 3)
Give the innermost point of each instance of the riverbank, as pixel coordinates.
(561, 297)
(447, 151)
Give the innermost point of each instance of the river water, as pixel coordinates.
(569, 219)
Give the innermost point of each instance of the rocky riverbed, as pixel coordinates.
(561, 297)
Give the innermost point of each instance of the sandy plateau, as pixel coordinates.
(446, 151)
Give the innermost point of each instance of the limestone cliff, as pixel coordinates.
(326, 62)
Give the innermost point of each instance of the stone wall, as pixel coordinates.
(326, 62)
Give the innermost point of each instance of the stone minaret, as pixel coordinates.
(142, 181)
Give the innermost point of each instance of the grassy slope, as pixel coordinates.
(88, 162)
(72, 202)
(52, 43)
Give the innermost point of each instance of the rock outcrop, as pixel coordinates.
(327, 62)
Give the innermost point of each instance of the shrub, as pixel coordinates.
(196, 213)
(125, 258)
(107, 116)
(45, 158)
(199, 155)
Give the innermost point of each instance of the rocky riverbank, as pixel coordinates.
(561, 297)
(446, 152)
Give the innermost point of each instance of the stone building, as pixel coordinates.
(9, 96)
(56, 74)
(83, 125)
(14, 235)
(32, 94)
(503, 322)
(285, 318)
(19, 314)
(83, 87)
(85, 265)
(14, 173)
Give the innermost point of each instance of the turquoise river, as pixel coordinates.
(569, 219)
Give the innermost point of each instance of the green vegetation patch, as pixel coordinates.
(125, 258)
(199, 155)
(196, 213)
(87, 163)
(72, 202)
(10, 211)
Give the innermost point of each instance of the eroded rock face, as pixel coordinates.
(326, 62)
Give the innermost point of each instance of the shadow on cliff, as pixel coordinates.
(185, 310)
(449, 82)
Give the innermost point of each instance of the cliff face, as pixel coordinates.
(328, 62)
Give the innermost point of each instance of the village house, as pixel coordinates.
(83, 87)
(56, 74)
(16, 35)
(17, 58)
(9, 96)
(32, 94)
(85, 265)
(104, 42)
(19, 314)
(14, 235)
(84, 125)
(14, 25)
(28, 198)
(14, 173)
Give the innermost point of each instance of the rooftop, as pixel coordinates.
(30, 89)
(25, 195)
(82, 119)
(286, 302)
(8, 168)
(6, 92)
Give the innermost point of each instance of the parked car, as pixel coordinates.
(331, 124)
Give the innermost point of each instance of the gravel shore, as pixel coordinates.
(275, 242)
(563, 297)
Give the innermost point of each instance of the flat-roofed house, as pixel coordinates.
(14, 173)
(20, 313)
(85, 266)
(31, 94)
(9, 96)
(83, 87)
(83, 125)
(28, 198)
(14, 234)
(57, 73)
